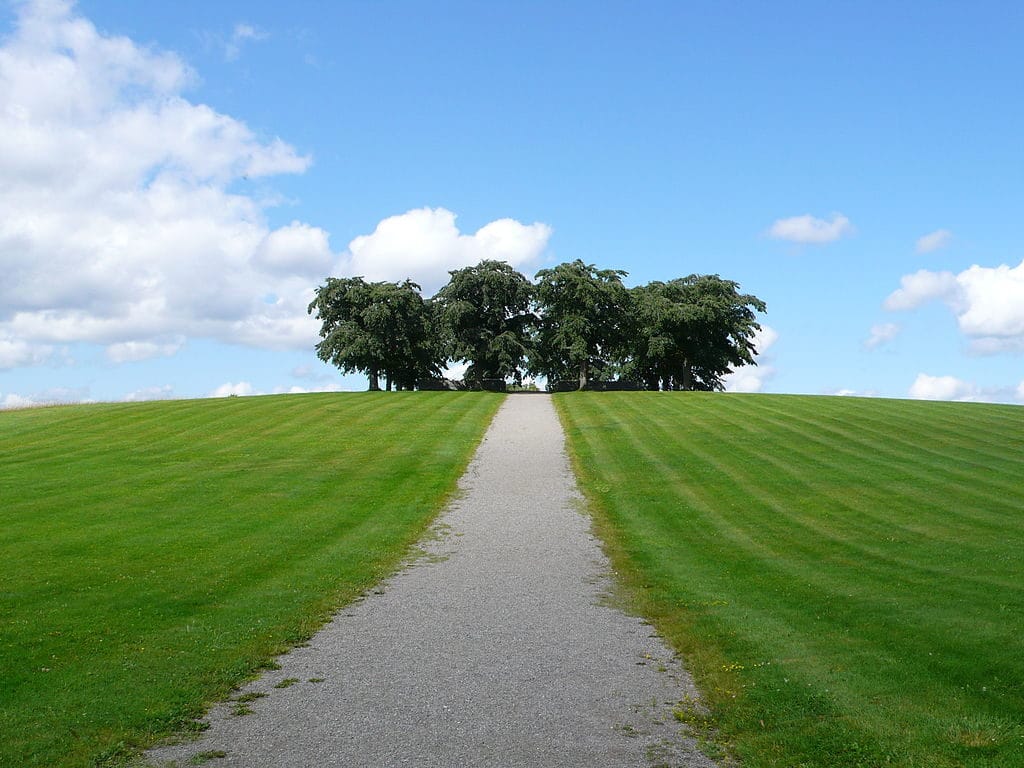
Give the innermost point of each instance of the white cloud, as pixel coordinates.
(15, 353)
(13, 401)
(118, 227)
(988, 303)
(752, 378)
(920, 287)
(293, 390)
(993, 301)
(927, 387)
(880, 334)
(228, 389)
(54, 396)
(133, 351)
(424, 244)
(241, 34)
(808, 229)
(297, 249)
(748, 378)
(933, 241)
(165, 392)
(1020, 391)
(455, 371)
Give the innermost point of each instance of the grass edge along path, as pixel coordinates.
(841, 575)
(156, 555)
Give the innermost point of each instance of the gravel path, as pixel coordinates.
(499, 648)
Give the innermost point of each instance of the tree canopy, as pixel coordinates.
(583, 315)
(577, 323)
(484, 315)
(689, 332)
(380, 329)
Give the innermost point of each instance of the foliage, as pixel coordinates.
(578, 323)
(689, 332)
(842, 575)
(583, 315)
(485, 317)
(155, 555)
(377, 329)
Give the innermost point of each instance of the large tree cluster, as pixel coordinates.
(575, 323)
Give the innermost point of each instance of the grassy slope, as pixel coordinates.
(846, 577)
(153, 555)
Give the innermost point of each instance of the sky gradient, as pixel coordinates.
(176, 179)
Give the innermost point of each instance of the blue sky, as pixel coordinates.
(176, 178)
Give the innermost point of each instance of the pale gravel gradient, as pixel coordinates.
(501, 649)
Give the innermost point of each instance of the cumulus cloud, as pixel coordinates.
(988, 303)
(927, 387)
(117, 226)
(808, 229)
(54, 396)
(15, 353)
(293, 390)
(847, 392)
(921, 287)
(133, 351)
(933, 241)
(120, 223)
(298, 249)
(880, 334)
(752, 378)
(425, 243)
(165, 392)
(1020, 391)
(228, 389)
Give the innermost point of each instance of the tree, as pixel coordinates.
(380, 329)
(691, 331)
(484, 318)
(583, 316)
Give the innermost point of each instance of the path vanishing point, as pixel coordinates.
(500, 648)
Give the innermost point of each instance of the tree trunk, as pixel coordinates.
(687, 382)
(374, 380)
(583, 375)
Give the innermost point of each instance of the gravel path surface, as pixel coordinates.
(498, 648)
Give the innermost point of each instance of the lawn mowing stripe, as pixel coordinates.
(883, 459)
(898, 432)
(162, 551)
(909, 652)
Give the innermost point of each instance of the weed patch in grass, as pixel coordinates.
(204, 757)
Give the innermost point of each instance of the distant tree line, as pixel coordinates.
(576, 323)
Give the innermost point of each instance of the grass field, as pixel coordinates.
(154, 555)
(845, 576)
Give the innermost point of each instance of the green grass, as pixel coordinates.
(155, 555)
(844, 576)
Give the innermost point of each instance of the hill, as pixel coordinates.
(844, 576)
(154, 555)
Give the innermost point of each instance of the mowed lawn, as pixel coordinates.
(844, 576)
(154, 555)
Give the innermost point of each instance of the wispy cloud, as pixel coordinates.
(810, 230)
(933, 241)
(880, 334)
(242, 34)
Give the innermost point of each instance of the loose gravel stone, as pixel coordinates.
(497, 648)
